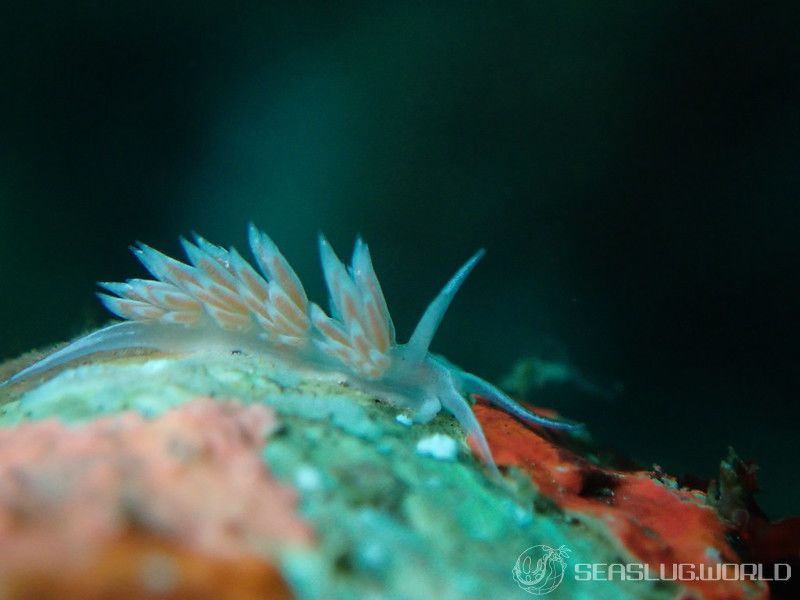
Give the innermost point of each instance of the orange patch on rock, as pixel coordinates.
(654, 520)
(147, 567)
(78, 502)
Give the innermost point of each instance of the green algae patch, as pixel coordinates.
(399, 525)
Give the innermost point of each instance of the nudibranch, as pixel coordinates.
(220, 300)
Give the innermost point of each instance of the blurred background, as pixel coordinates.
(632, 168)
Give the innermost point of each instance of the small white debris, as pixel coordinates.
(403, 419)
(157, 365)
(307, 478)
(522, 516)
(438, 446)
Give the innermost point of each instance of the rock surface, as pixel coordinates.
(187, 467)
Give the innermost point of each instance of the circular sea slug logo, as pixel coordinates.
(540, 569)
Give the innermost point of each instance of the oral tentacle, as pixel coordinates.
(460, 409)
(472, 384)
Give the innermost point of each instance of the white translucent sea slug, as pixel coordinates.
(221, 301)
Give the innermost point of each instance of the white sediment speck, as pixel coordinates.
(438, 446)
(521, 515)
(307, 478)
(155, 366)
(403, 419)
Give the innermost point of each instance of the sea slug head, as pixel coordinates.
(419, 378)
(416, 384)
(426, 382)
